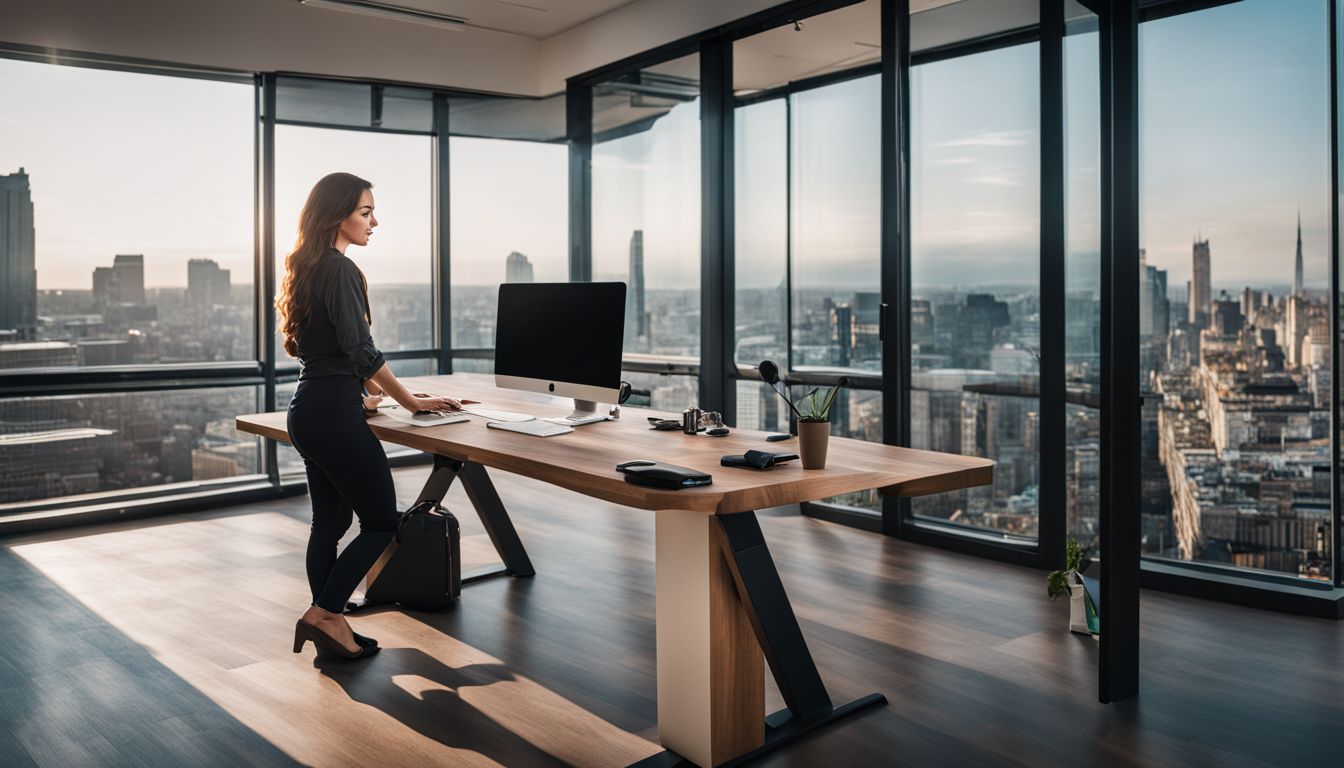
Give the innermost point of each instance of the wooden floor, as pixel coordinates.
(166, 642)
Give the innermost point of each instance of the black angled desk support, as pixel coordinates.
(489, 507)
(808, 705)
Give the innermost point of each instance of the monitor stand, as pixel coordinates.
(585, 412)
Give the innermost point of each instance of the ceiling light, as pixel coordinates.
(396, 12)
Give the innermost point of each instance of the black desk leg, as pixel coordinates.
(488, 505)
(771, 616)
(489, 508)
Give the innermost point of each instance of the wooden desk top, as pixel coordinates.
(585, 459)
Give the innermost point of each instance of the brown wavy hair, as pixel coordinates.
(334, 197)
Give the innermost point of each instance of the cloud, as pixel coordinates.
(955, 160)
(995, 180)
(989, 139)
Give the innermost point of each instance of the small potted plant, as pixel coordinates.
(814, 421)
(1070, 582)
(814, 427)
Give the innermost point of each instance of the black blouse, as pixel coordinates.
(335, 339)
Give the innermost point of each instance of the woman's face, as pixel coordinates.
(357, 227)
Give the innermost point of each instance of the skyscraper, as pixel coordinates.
(636, 320)
(18, 273)
(517, 269)
(207, 284)
(130, 269)
(1145, 297)
(1297, 270)
(121, 283)
(1154, 307)
(1201, 285)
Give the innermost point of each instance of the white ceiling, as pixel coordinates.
(537, 19)
(851, 36)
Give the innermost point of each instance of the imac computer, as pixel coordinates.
(562, 339)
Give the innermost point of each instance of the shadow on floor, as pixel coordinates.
(436, 714)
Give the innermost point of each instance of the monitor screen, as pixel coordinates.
(568, 333)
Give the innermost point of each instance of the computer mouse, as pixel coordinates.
(776, 438)
(636, 463)
(717, 432)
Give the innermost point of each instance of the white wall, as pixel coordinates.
(276, 35)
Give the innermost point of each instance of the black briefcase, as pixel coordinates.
(424, 570)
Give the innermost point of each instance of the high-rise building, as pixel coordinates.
(1154, 306)
(207, 284)
(517, 269)
(842, 334)
(1201, 285)
(18, 273)
(976, 323)
(1296, 323)
(1227, 318)
(105, 290)
(921, 321)
(1297, 269)
(1250, 303)
(130, 269)
(121, 283)
(1145, 297)
(636, 319)
(1161, 304)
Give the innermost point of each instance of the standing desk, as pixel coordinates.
(721, 610)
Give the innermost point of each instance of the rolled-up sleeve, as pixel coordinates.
(345, 306)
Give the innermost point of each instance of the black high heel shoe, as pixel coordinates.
(367, 642)
(303, 632)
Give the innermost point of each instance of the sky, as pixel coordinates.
(1234, 131)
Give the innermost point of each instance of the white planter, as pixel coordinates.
(1077, 610)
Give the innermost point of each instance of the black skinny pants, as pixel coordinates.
(347, 471)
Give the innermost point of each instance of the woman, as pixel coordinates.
(324, 314)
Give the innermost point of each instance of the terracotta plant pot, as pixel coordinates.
(813, 437)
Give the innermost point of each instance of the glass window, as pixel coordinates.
(646, 203)
(662, 392)
(133, 249)
(762, 227)
(836, 187)
(1234, 306)
(759, 408)
(1082, 278)
(975, 309)
(1339, 298)
(74, 445)
(397, 262)
(510, 223)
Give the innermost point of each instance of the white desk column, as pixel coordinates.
(711, 673)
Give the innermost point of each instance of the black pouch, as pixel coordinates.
(659, 475)
(756, 459)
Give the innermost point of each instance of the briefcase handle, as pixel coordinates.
(426, 507)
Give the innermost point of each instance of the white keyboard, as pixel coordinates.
(536, 427)
(486, 413)
(579, 422)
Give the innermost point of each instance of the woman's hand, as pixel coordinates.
(434, 403)
(371, 403)
(386, 382)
